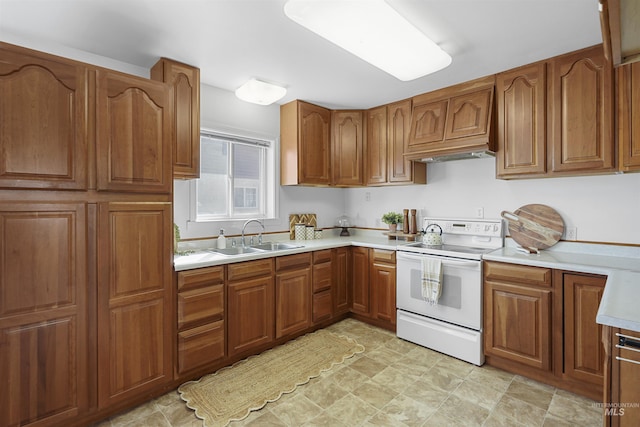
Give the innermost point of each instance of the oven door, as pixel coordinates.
(460, 302)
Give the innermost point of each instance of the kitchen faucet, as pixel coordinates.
(259, 234)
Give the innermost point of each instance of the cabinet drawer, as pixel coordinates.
(515, 273)
(198, 305)
(293, 261)
(322, 275)
(322, 304)
(200, 277)
(201, 345)
(384, 255)
(245, 270)
(322, 256)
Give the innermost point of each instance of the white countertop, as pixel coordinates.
(621, 264)
(200, 258)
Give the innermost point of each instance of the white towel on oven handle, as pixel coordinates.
(431, 279)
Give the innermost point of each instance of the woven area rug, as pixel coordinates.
(233, 392)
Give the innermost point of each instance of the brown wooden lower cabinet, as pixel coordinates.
(541, 323)
(622, 394)
(250, 305)
(44, 300)
(135, 320)
(342, 285)
(293, 294)
(383, 285)
(360, 280)
(322, 285)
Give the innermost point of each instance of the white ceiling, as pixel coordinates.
(233, 40)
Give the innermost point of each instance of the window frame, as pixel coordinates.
(269, 187)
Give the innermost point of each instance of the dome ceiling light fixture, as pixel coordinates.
(259, 92)
(373, 31)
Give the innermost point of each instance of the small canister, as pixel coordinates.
(318, 234)
(299, 231)
(309, 235)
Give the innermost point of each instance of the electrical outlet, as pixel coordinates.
(479, 212)
(571, 233)
(367, 196)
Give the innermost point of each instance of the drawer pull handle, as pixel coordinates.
(627, 341)
(622, 359)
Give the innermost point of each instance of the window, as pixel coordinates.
(236, 178)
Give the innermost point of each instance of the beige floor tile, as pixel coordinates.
(517, 410)
(324, 393)
(442, 378)
(297, 410)
(575, 408)
(492, 377)
(374, 394)
(478, 393)
(368, 366)
(531, 394)
(351, 409)
(462, 410)
(348, 378)
(427, 393)
(408, 411)
(394, 379)
(395, 383)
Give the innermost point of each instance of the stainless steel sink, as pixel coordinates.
(239, 250)
(276, 246)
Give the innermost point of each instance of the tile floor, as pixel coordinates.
(396, 383)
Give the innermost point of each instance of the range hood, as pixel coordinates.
(483, 154)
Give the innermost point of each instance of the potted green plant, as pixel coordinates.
(392, 219)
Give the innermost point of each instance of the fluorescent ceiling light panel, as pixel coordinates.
(259, 92)
(373, 31)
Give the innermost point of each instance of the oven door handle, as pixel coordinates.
(445, 261)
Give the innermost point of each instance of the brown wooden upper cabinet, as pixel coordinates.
(44, 125)
(185, 85)
(555, 117)
(452, 120)
(629, 116)
(347, 145)
(133, 134)
(305, 144)
(386, 142)
(620, 31)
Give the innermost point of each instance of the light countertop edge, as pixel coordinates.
(619, 305)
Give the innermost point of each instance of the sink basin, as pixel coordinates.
(275, 246)
(238, 250)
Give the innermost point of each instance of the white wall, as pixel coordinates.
(604, 208)
(220, 110)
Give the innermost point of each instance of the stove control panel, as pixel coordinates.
(467, 227)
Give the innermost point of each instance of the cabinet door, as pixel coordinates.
(134, 134)
(398, 128)
(427, 123)
(347, 147)
(44, 335)
(250, 314)
(43, 120)
(293, 301)
(314, 129)
(468, 115)
(361, 296)
(383, 292)
(581, 112)
(629, 116)
(376, 148)
(584, 354)
(625, 371)
(522, 131)
(518, 324)
(341, 280)
(135, 309)
(185, 84)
